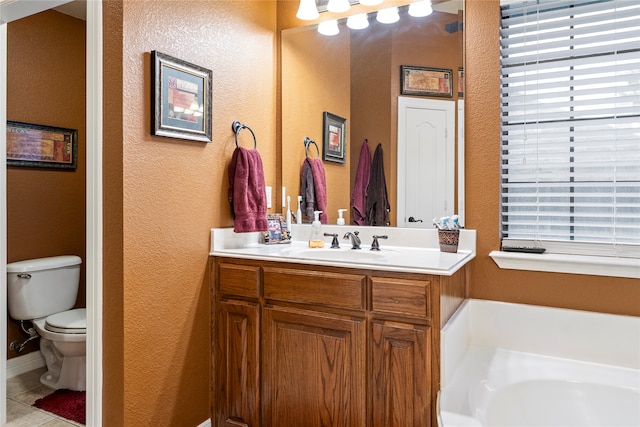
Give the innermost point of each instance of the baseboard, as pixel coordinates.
(206, 423)
(25, 363)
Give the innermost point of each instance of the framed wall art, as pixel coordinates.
(180, 98)
(426, 81)
(38, 146)
(334, 137)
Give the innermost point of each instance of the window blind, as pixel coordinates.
(570, 159)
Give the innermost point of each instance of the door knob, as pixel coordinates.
(412, 219)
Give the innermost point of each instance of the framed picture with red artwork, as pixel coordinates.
(334, 136)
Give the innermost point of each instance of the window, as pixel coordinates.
(570, 78)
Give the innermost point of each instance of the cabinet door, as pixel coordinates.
(313, 369)
(236, 397)
(401, 380)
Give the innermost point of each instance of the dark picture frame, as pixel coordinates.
(180, 99)
(426, 81)
(334, 137)
(38, 146)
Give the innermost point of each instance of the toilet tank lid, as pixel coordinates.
(39, 264)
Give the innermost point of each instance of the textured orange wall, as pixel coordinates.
(604, 294)
(113, 363)
(46, 86)
(173, 192)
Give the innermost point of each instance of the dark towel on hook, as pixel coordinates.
(313, 189)
(307, 206)
(359, 194)
(377, 199)
(247, 193)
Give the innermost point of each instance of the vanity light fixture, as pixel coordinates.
(328, 28)
(388, 15)
(307, 10)
(370, 2)
(420, 8)
(358, 22)
(338, 6)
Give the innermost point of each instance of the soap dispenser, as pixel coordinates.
(340, 218)
(316, 240)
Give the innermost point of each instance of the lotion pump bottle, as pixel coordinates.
(316, 240)
(340, 218)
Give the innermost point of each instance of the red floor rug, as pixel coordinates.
(68, 404)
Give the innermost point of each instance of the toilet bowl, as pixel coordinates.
(43, 291)
(63, 339)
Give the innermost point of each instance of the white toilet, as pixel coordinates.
(43, 291)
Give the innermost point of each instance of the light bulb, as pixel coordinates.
(358, 22)
(307, 10)
(328, 28)
(370, 2)
(420, 8)
(388, 16)
(338, 6)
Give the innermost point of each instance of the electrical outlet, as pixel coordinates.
(268, 197)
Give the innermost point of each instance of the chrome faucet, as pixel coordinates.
(355, 240)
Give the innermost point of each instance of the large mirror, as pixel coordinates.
(356, 75)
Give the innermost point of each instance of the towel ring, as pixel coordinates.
(237, 128)
(308, 141)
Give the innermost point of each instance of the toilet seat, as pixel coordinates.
(68, 322)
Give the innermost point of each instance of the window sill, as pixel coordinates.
(572, 264)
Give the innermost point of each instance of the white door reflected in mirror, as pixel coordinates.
(426, 159)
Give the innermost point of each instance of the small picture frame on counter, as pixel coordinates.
(277, 231)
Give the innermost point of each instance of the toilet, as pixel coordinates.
(44, 291)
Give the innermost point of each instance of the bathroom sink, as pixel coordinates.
(337, 254)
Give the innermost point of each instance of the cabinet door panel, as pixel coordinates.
(314, 369)
(236, 401)
(401, 380)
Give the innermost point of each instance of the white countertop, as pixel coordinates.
(406, 249)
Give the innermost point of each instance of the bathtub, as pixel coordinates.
(513, 365)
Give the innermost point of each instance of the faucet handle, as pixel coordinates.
(334, 242)
(375, 246)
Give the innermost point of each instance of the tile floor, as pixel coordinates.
(22, 391)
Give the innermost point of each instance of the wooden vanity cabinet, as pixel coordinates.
(305, 345)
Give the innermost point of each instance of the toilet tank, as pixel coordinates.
(39, 287)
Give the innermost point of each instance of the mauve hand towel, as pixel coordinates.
(359, 194)
(247, 193)
(320, 188)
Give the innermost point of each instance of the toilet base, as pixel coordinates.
(64, 372)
